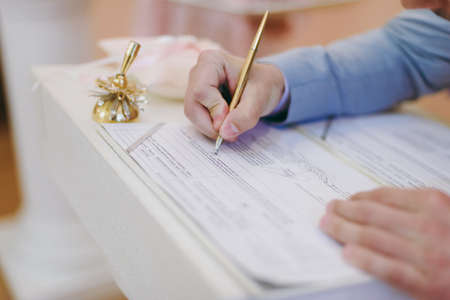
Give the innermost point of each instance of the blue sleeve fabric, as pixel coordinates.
(280, 111)
(408, 57)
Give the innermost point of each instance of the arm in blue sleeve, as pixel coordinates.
(408, 57)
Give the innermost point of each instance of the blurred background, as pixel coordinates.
(35, 32)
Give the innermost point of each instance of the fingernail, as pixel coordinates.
(331, 205)
(230, 130)
(234, 128)
(324, 221)
(354, 197)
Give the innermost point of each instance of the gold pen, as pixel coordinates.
(243, 76)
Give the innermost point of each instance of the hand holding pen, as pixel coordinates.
(208, 109)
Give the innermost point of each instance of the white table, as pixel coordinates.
(154, 250)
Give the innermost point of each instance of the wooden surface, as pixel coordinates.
(8, 177)
(4, 293)
(10, 199)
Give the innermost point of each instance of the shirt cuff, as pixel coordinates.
(280, 112)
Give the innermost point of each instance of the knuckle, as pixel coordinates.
(430, 227)
(396, 276)
(364, 211)
(362, 237)
(209, 55)
(198, 93)
(368, 238)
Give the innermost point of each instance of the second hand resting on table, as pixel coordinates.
(398, 235)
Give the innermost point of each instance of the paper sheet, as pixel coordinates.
(401, 150)
(260, 199)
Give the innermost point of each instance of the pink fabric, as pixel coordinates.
(164, 62)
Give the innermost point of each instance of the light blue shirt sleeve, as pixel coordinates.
(407, 58)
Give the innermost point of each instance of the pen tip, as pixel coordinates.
(218, 143)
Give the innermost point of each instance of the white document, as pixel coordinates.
(401, 150)
(260, 199)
